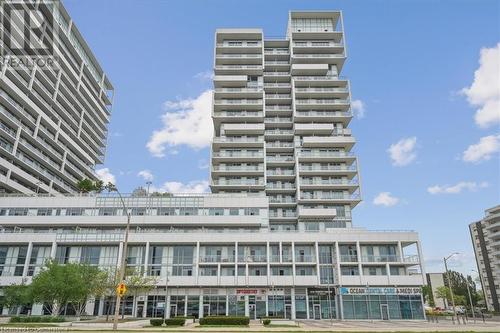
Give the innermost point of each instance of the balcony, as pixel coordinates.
(252, 258)
(237, 170)
(318, 92)
(237, 116)
(237, 156)
(237, 183)
(280, 160)
(238, 128)
(314, 128)
(238, 69)
(233, 59)
(380, 258)
(247, 92)
(216, 259)
(279, 134)
(280, 173)
(325, 104)
(248, 104)
(343, 117)
(305, 258)
(338, 197)
(277, 98)
(325, 156)
(286, 187)
(319, 58)
(348, 258)
(229, 141)
(350, 185)
(340, 141)
(230, 81)
(316, 212)
(240, 46)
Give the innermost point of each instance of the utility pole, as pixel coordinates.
(470, 300)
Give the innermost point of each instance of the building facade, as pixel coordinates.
(53, 119)
(281, 112)
(485, 236)
(436, 280)
(214, 255)
(275, 238)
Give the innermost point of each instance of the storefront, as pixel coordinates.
(384, 303)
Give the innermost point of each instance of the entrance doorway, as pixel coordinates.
(206, 310)
(288, 311)
(173, 310)
(384, 309)
(317, 311)
(140, 309)
(251, 311)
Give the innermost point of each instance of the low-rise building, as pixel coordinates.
(215, 254)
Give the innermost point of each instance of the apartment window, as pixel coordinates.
(140, 211)
(208, 271)
(251, 211)
(234, 211)
(216, 211)
(188, 211)
(74, 211)
(18, 211)
(44, 212)
(166, 211)
(349, 270)
(107, 211)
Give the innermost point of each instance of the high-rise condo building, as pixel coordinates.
(53, 119)
(281, 112)
(485, 236)
(275, 238)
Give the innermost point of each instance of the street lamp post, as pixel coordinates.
(123, 261)
(450, 284)
(470, 300)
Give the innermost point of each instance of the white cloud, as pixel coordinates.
(457, 188)
(205, 75)
(484, 92)
(358, 108)
(106, 176)
(385, 199)
(483, 150)
(195, 186)
(403, 152)
(186, 122)
(146, 175)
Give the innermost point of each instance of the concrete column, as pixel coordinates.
(400, 249)
(28, 258)
(247, 310)
(200, 307)
(307, 304)
(360, 257)
(146, 259)
(101, 306)
(197, 264)
(185, 305)
(53, 250)
(89, 307)
(316, 250)
(420, 263)
(293, 302)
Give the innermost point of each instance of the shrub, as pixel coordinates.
(224, 320)
(266, 322)
(156, 322)
(176, 321)
(36, 319)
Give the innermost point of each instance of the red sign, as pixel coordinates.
(246, 291)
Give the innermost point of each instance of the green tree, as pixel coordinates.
(86, 185)
(17, 295)
(444, 293)
(70, 284)
(459, 286)
(428, 297)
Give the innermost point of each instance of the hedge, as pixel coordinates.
(176, 321)
(266, 322)
(224, 320)
(36, 319)
(156, 321)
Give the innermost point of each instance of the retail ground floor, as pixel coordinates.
(382, 303)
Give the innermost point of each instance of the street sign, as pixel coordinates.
(121, 289)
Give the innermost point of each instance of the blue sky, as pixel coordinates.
(408, 62)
